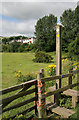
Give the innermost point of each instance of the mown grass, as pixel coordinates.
(12, 62)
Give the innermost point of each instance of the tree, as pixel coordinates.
(11, 38)
(13, 47)
(45, 32)
(4, 40)
(73, 48)
(68, 31)
(23, 47)
(70, 21)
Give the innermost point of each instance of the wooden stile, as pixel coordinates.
(39, 107)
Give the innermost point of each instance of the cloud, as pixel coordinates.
(27, 14)
(27, 11)
(10, 28)
(39, 0)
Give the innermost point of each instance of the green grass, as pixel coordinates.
(12, 62)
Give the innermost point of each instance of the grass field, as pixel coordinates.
(12, 62)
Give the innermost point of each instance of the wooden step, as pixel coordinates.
(71, 92)
(62, 111)
(74, 94)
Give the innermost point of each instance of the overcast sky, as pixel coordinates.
(19, 18)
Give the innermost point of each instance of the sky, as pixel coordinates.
(19, 17)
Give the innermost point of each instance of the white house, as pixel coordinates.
(30, 40)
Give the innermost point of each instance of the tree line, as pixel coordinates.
(6, 40)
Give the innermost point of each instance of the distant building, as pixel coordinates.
(29, 41)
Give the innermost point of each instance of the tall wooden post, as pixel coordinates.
(41, 91)
(58, 61)
(58, 55)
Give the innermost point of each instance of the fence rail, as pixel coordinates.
(39, 90)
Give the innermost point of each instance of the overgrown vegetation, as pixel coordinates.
(18, 47)
(24, 77)
(66, 101)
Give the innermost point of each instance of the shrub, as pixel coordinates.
(42, 57)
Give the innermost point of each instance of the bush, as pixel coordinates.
(42, 57)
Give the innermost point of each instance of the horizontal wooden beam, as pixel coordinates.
(46, 79)
(20, 104)
(16, 87)
(13, 97)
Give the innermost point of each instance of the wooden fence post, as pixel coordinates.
(36, 91)
(58, 55)
(41, 90)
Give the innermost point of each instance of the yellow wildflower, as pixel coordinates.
(19, 76)
(50, 66)
(62, 59)
(19, 71)
(49, 71)
(20, 115)
(10, 119)
(75, 64)
(35, 73)
(54, 65)
(66, 59)
(28, 73)
(78, 66)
